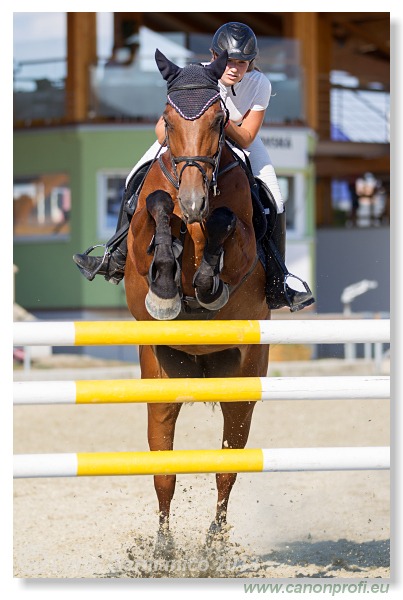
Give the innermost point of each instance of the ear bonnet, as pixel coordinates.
(191, 90)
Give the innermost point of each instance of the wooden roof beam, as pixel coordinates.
(361, 33)
(81, 55)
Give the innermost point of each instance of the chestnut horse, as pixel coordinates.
(192, 254)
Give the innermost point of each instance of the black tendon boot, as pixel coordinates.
(278, 292)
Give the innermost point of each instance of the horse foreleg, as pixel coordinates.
(211, 291)
(163, 300)
(161, 428)
(237, 422)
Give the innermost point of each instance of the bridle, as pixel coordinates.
(193, 161)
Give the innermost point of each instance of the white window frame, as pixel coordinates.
(299, 185)
(103, 232)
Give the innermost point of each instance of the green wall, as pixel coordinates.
(48, 277)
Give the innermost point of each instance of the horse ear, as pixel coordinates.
(167, 68)
(217, 67)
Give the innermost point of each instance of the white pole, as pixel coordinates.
(45, 465)
(326, 459)
(44, 333)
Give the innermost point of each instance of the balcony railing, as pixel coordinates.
(137, 93)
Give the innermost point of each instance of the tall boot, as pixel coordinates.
(278, 292)
(112, 264)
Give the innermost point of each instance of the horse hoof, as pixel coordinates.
(218, 302)
(163, 309)
(164, 546)
(214, 532)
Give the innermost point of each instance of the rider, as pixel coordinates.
(246, 93)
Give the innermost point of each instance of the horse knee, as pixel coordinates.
(159, 204)
(219, 226)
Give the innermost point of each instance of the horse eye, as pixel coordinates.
(217, 121)
(168, 125)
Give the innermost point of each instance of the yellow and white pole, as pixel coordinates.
(200, 461)
(231, 389)
(184, 333)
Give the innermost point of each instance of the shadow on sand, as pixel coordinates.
(228, 560)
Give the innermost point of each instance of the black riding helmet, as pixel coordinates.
(238, 39)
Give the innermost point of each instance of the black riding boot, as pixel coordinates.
(278, 292)
(112, 264)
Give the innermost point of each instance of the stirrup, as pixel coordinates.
(308, 300)
(105, 256)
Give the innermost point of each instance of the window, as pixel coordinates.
(41, 207)
(111, 186)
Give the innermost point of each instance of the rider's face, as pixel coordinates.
(234, 71)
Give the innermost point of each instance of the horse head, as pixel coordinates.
(194, 122)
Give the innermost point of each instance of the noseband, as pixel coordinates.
(193, 161)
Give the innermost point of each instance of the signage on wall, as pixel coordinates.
(288, 148)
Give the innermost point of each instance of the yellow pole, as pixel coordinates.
(170, 462)
(88, 333)
(169, 390)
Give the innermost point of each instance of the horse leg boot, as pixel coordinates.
(211, 292)
(163, 301)
(237, 422)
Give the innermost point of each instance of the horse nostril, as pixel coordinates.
(203, 205)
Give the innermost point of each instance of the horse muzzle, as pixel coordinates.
(194, 208)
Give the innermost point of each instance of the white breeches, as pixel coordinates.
(260, 161)
(262, 167)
